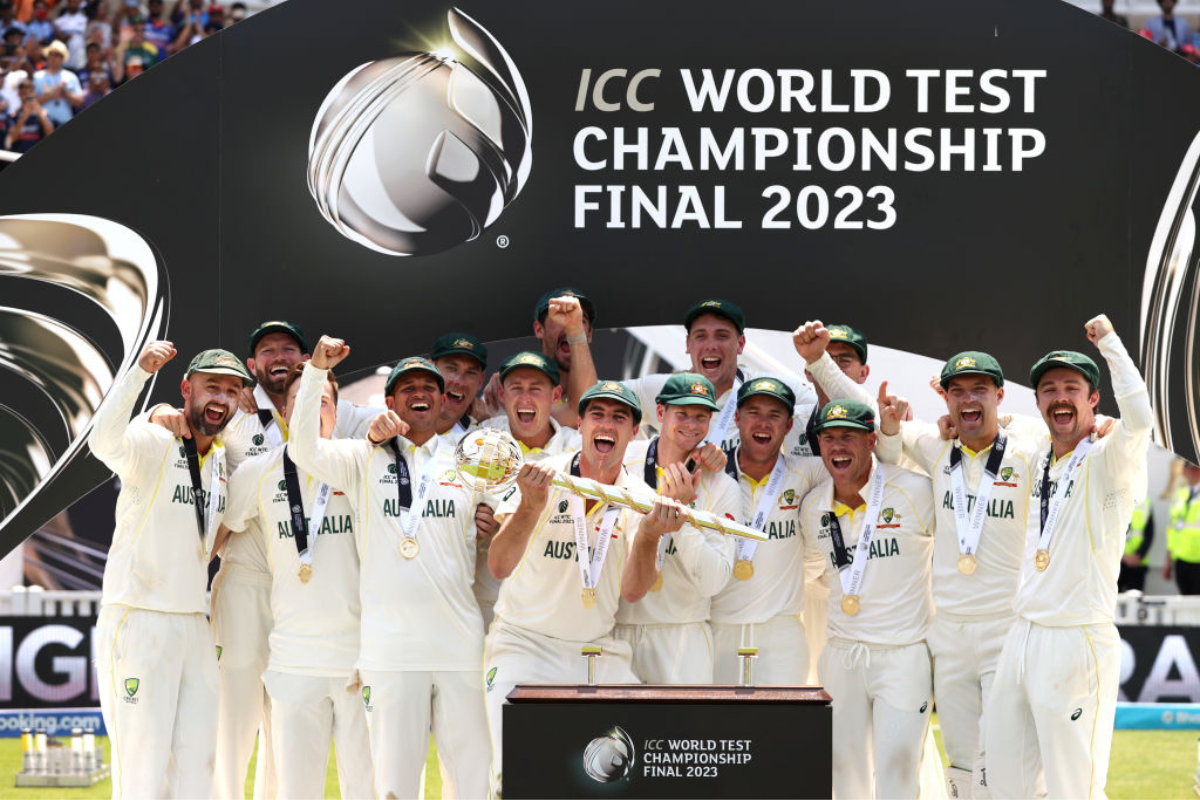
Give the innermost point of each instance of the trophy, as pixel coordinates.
(489, 459)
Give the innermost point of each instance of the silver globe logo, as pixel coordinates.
(418, 153)
(609, 757)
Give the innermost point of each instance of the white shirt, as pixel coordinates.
(896, 604)
(157, 560)
(697, 562)
(1079, 587)
(418, 614)
(778, 584)
(544, 592)
(990, 589)
(315, 630)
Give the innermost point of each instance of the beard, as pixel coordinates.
(200, 423)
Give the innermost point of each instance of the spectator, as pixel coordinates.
(1189, 52)
(95, 64)
(8, 20)
(237, 12)
(1170, 31)
(14, 41)
(186, 10)
(216, 16)
(8, 89)
(57, 89)
(99, 28)
(31, 124)
(134, 54)
(71, 27)
(35, 56)
(159, 31)
(192, 29)
(40, 27)
(1106, 12)
(98, 86)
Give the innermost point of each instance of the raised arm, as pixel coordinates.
(339, 463)
(112, 438)
(811, 340)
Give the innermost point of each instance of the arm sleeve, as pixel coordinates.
(339, 463)
(920, 441)
(113, 439)
(707, 556)
(243, 497)
(830, 377)
(1131, 435)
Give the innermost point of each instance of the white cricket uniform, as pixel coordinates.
(314, 638)
(668, 628)
(541, 623)
(487, 587)
(241, 614)
(765, 610)
(648, 387)
(155, 663)
(1054, 697)
(421, 636)
(875, 664)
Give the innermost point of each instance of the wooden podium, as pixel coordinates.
(573, 741)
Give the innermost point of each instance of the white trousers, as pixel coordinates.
(670, 654)
(400, 707)
(241, 621)
(513, 655)
(306, 711)
(157, 679)
(782, 651)
(965, 655)
(816, 618)
(1052, 709)
(881, 709)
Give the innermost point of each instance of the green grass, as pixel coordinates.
(10, 765)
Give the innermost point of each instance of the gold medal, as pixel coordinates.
(1042, 560)
(850, 604)
(743, 570)
(967, 564)
(409, 547)
(658, 582)
(305, 573)
(589, 598)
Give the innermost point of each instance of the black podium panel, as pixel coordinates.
(669, 742)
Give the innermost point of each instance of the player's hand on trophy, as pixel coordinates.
(172, 419)
(485, 521)
(666, 516)
(533, 481)
(386, 426)
(1098, 327)
(329, 352)
(247, 402)
(568, 313)
(155, 355)
(892, 411)
(810, 340)
(710, 457)
(679, 484)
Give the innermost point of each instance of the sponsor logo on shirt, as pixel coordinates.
(436, 507)
(366, 696)
(888, 515)
(998, 508)
(336, 523)
(131, 689)
(491, 677)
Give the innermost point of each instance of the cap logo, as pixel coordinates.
(711, 304)
(611, 386)
(700, 389)
(226, 361)
(837, 412)
(1059, 358)
(966, 362)
(838, 333)
(529, 358)
(464, 343)
(765, 386)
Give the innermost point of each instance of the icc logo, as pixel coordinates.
(609, 757)
(418, 153)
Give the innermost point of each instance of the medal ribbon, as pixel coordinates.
(852, 579)
(969, 531)
(409, 518)
(266, 415)
(591, 561)
(650, 474)
(746, 547)
(1051, 508)
(212, 498)
(300, 525)
(716, 433)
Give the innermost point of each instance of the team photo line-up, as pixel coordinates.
(370, 594)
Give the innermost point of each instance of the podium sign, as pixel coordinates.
(667, 741)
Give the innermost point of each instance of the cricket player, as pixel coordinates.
(551, 603)
(461, 359)
(762, 606)
(1054, 697)
(421, 640)
(155, 662)
(530, 386)
(668, 628)
(981, 481)
(873, 526)
(307, 528)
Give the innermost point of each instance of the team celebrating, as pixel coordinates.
(368, 596)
